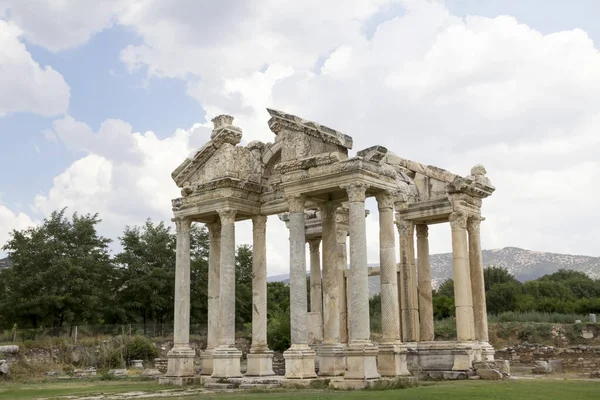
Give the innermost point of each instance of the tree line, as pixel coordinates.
(64, 275)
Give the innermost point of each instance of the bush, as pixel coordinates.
(445, 329)
(139, 348)
(278, 331)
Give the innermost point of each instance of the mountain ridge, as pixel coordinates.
(522, 263)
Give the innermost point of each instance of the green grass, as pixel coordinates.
(72, 388)
(463, 390)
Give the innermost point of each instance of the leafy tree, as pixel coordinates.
(147, 272)
(503, 297)
(199, 248)
(243, 285)
(60, 273)
(446, 289)
(497, 275)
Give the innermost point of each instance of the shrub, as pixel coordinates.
(445, 329)
(139, 348)
(278, 331)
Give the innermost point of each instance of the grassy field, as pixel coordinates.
(463, 390)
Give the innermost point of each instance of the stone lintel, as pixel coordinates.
(204, 210)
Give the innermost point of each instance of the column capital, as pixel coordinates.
(458, 220)
(183, 224)
(422, 231)
(474, 222)
(214, 229)
(259, 222)
(314, 245)
(385, 200)
(227, 216)
(341, 235)
(356, 192)
(296, 203)
(405, 227)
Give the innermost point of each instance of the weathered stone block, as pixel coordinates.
(490, 374)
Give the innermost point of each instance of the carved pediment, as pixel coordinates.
(221, 159)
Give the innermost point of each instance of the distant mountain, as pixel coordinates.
(523, 264)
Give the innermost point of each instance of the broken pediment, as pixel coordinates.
(302, 139)
(221, 158)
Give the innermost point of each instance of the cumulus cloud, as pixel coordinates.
(24, 84)
(429, 85)
(9, 221)
(61, 24)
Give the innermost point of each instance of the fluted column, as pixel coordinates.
(214, 267)
(315, 316)
(226, 358)
(260, 357)
(462, 280)
(299, 358)
(180, 369)
(424, 278)
(331, 357)
(342, 263)
(391, 358)
(478, 286)
(316, 294)
(408, 283)
(361, 354)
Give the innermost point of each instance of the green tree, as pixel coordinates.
(496, 275)
(243, 285)
(446, 289)
(199, 247)
(60, 274)
(147, 272)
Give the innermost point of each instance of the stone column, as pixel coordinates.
(424, 277)
(299, 358)
(392, 358)
(478, 286)
(180, 369)
(226, 358)
(316, 296)
(361, 355)
(462, 280)
(315, 316)
(408, 283)
(342, 263)
(260, 357)
(214, 268)
(331, 357)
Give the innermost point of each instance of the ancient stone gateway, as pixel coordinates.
(306, 178)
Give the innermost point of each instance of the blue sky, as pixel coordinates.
(159, 70)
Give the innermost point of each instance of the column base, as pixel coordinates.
(181, 362)
(226, 362)
(332, 361)
(260, 363)
(464, 355)
(412, 355)
(361, 361)
(299, 362)
(487, 351)
(207, 362)
(391, 360)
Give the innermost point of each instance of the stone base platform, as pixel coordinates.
(357, 384)
(180, 381)
(246, 382)
(445, 356)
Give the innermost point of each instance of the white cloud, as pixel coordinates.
(24, 84)
(428, 85)
(9, 221)
(61, 24)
